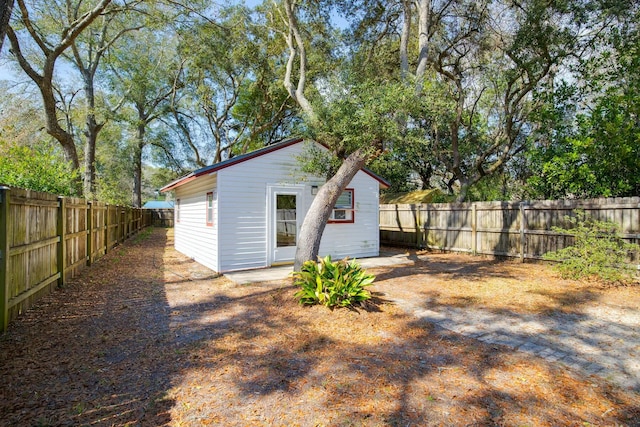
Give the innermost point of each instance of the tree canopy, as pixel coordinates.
(490, 99)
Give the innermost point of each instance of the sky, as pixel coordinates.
(5, 72)
(9, 73)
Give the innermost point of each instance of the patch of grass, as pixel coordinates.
(143, 235)
(79, 408)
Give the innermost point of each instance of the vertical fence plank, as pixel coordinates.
(522, 220)
(118, 227)
(420, 229)
(99, 230)
(5, 199)
(123, 224)
(474, 229)
(76, 235)
(90, 239)
(107, 224)
(61, 231)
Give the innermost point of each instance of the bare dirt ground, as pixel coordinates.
(147, 337)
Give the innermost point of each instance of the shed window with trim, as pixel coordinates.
(343, 210)
(210, 199)
(177, 208)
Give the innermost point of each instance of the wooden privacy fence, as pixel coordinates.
(46, 239)
(514, 229)
(161, 217)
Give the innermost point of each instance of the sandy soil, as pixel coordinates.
(147, 337)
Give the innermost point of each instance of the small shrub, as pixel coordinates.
(598, 251)
(38, 168)
(341, 283)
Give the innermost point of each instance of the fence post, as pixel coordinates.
(106, 229)
(421, 231)
(118, 221)
(474, 229)
(90, 242)
(123, 223)
(522, 229)
(5, 198)
(127, 223)
(61, 231)
(417, 224)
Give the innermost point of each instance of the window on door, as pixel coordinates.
(343, 211)
(286, 222)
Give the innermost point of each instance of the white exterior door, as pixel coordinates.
(285, 218)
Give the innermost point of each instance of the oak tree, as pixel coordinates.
(48, 48)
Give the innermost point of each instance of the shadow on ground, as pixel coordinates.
(146, 338)
(570, 325)
(97, 352)
(257, 359)
(271, 368)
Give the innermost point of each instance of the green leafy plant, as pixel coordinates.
(598, 251)
(340, 283)
(143, 235)
(38, 168)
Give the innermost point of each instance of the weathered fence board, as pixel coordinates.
(31, 228)
(75, 236)
(46, 239)
(515, 229)
(160, 217)
(97, 218)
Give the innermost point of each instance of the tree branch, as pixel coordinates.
(24, 13)
(79, 25)
(24, 64)
(294, 34)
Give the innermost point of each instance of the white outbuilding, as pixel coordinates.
(246, 212)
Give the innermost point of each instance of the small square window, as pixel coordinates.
(343, 210)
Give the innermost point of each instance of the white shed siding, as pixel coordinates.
(192, 236)
(361, 238)
(243, 212)
(239, 238)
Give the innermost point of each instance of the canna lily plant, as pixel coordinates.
(333, 284)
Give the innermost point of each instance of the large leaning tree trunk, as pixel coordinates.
(322, 206)
(318, 215)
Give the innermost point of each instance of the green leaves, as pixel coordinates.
(589, 138)
(598, 251)
(332, 284)
(39, 168)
